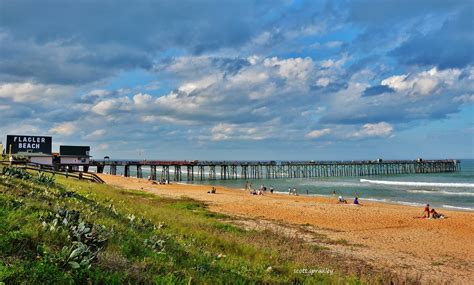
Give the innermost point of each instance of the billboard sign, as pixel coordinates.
(33, 144)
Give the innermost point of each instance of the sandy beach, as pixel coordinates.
(383, 235)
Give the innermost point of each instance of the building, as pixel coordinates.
(38, 150)
(36, 158)
(74, 157)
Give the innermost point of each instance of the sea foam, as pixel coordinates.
(457, 208)
(434, 192)
(412, 183)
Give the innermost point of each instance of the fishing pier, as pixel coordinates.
(227, 170)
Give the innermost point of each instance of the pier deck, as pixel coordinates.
(225, 170)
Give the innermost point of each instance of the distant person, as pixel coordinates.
(426, 211)
(271, 189)
(289, 191)
(334, 193)
(341, 199)
(294, 191)
(356, 201)
(213, 190)
(436, 215)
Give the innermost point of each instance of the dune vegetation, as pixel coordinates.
(58, 230)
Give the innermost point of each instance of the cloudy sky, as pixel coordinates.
(240, 79)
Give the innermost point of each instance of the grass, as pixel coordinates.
(78, 232)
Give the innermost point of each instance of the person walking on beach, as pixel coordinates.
(271, 189)
(289, 191)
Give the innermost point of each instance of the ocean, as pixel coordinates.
(441, 190)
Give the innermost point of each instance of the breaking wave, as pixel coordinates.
(442, 192)
(457, 208)
(420, 184)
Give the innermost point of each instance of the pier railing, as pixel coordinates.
(92, 177)
(212, 170)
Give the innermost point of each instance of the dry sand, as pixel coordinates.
(439, 250)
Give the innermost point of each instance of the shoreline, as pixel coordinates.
(448, 208)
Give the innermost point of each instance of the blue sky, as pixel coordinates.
(241, 79)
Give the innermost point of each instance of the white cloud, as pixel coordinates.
(331, 63)
(381, 129)
(323, 82)
(331, 44)
(66, 128)
(99, 93)
(107, 106)
(318, 133)
(142, 100)
(225, 131)
(31, 92)
(96, 134)
(152, 86)
(199, 84)
(422, 83)
(253, 59)
(292, 68)
(464, 99)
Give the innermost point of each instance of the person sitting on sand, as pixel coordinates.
(253, 192)
(213, 190)
(436, 215)
(260, 192)
(356, 201)
(426, 211)
(342, 200)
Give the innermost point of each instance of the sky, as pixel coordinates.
(241, 80)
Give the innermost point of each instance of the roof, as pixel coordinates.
(31, 154)
(69, 155)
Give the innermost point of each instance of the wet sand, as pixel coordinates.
(388, 236)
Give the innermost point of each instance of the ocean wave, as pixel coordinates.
(374, 200)
(442, 192)
(412, 183)
(330, 184)
(457, 208)
(409, 203)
